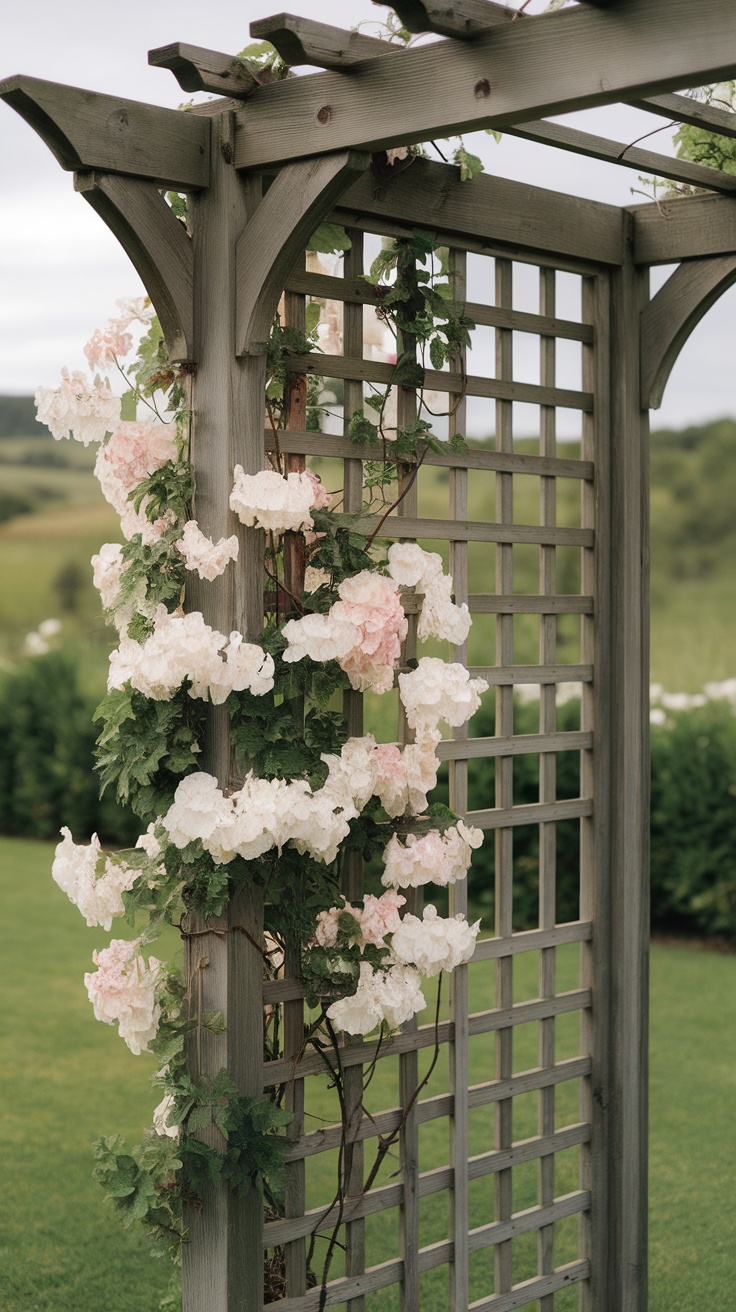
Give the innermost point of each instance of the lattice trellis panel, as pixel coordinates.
(487, 1189)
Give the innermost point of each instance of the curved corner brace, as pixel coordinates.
(158, 246)
(87, 130)
(671, 315)
(294, 205)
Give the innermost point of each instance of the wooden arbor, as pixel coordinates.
(215, 292)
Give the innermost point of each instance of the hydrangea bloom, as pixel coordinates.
(123, 989)
(184, 647)
(412, 567)
(380, 916)
(433, 943)
(74, 409)
(434, 858)
(363, 632)
(437, 690)
(103, 349)
(392, 995)
(99, 898)
(201, 553)
(267, 500)
(399, 777)
(135, 450)
(132, 308)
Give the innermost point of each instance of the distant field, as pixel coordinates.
(693, 599)
(65, 1079)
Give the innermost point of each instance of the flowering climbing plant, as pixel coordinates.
(334, 620)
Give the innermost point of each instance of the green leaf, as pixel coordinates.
(329, 239)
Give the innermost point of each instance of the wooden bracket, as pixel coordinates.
(157, 244)
(671, 315)
(302, 41)
(196, 69)
(86, 130)
(294, 205)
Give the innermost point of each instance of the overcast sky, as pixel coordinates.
(61, 269)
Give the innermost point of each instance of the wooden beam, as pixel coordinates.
(668, 320)
(490, 211)
(630, 157)
(157, 245)
(294, 205)
(684, 228)
(462, 21)
(302, 41)
(86, 130)
(196, 69)
(556, 63)
(683, 109)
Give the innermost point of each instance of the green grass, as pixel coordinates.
(68, 1079)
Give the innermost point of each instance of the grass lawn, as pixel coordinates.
(68, 1079)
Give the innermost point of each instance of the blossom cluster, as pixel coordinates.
(433, 858)
(363, 632)
(269, 501)
(400, 777)
(123, 989)
(77, 409)
(439, 617)
(182, 647)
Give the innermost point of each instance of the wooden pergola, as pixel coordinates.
(262, 166)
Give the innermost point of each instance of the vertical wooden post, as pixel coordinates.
(629, 794)
(223, 1260)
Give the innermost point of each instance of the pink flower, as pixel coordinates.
(321, 495)
(103, 349)
(371, 603)
(135, 450)
(123, 989)
(380, 916)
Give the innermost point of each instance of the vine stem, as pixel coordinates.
(398, 500)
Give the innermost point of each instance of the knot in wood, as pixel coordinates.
(324, 114)
(482, 89)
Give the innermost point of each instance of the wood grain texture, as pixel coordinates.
(550, 65)
(529, 1290)
(489, 210)
(303, 41)
(294, 205)
(197, 69)
(684, 228)
(462, 21)
(86, 130)
(628, 157)
(684, 109)
(521, 745)
(670, 317)
(475, 531)
(158, 246)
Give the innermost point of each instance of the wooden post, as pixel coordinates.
(223, 1260)
(629, 907)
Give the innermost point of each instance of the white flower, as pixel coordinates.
(363, 632)
(433, 943)
(135, 450)
(99, 898)
(197, 810)
(321, 637)
(76, 409)
(161, 1117)
(437, 690)
(315, 578)
(434, 858)
(123, 989)
(107, 570)
(393, 996)
(184, 647)
(412, 567)
(49, 628)
(201, 553)
(399, 777)
(266, 500)
(35, 645)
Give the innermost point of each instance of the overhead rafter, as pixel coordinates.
(302, 41)
(631, 157)
(87, 130)
(551, 64)
(683, 109)
(462, 21)
(196, 69)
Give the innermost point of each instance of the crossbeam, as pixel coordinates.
(462, 21)
(552, 64)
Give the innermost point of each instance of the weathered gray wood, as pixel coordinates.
(222, 1264)
(558, 62)
(670, 317)
(532, 813)
(683, 109)
(294, 205)
(533, 673)
(462, 21)
(326, 444)
(527, 1291)
(480, 532)
(443, 381)
(629, 802)
(530, 1219)
(521, 604)
(358, 290)
(86, 130)
(303, 41)
(196, 69)
(629, 157)
(158, 247)
(684, 228)
(466, 749)
(490, 209)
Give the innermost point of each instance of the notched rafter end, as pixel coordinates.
(198, 69)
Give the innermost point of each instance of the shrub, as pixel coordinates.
(47, 776)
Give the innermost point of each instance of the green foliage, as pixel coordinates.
(141, 1184)
(146, 746)
(154, 571)
(329, 239)
(693, 494)
(709, 148)
(46, 755)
